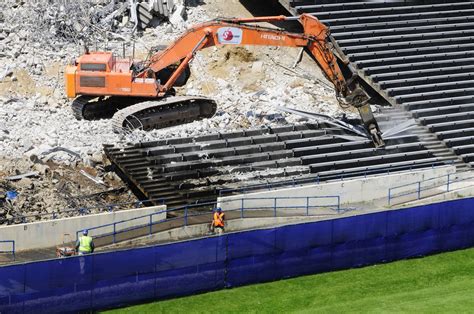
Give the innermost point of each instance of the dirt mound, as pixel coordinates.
(239, 54)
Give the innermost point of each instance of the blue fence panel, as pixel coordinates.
(320, 259)
(12, 280)
(123, 277)
(189, 253)
(464, 210)
(451, 215)
(371, 251)
(190, 280)
(412, 244)
(457, 237)
(58, 285)
(456, 222)
(251, 243)
(412, 220)
(251, 257)
(358, 253)
(250, 269)
(190, 267)
(292, 263)
(359, 240)
(119, 278)
(358, 228)
(12, 303)
(11, 288)
(123, 291)
(294, 245)
(303, 236)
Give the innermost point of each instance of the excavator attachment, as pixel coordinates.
(359, 99)
(371, 125)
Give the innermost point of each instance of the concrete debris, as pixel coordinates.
(177, 18)
(21, 176)
(58, 189)
(92, 178)
(38, 38)
(72, 21)
(7, 73)
(36, 119)
(152, 12)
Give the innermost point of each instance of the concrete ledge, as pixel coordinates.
(50, 233)
(201, 230)
(353, 191)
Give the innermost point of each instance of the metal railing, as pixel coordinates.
(341, 176)
(188, 215)
(12, 251)
(421, 186)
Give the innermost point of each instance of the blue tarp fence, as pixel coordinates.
(124, 277)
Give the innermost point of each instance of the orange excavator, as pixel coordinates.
(140, 94)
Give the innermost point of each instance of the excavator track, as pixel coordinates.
(78, 106)
(96, 108)
(164, 113)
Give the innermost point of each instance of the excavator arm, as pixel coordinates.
(237, 32)
(101, 83)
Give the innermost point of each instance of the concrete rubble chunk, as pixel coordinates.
(92, 178)
(177, 18)
(23, 175)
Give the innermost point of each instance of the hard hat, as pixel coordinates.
(219, 209)
(85, 232)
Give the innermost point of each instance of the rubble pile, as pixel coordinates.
(48, 22)
(38, 38)
(45, 191)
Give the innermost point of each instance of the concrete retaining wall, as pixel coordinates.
(50, 233)
(195, 231)
(350, 191)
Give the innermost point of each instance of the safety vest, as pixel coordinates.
(85, 244)
(218, 219)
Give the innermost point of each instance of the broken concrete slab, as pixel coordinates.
(177, 18)
(92, 178)
(23, 175)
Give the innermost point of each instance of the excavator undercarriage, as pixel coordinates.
(163, 113)
(129, 113)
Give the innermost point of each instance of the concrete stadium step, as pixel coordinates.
(418, 53)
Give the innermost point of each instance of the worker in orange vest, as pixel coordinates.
(218, 221)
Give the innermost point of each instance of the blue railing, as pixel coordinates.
(317, 179)
(420, 186)
(273, 204)
(12, 251)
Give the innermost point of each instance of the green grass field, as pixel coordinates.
(440, 283)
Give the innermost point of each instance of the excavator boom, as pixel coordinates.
(101, 74)
(238, 33)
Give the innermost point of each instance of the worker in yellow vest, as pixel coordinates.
(85, 245)
(218, 221)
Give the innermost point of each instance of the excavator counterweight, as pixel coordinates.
(106, 86)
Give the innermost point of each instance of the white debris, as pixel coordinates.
(177, 18)
(35, 116)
